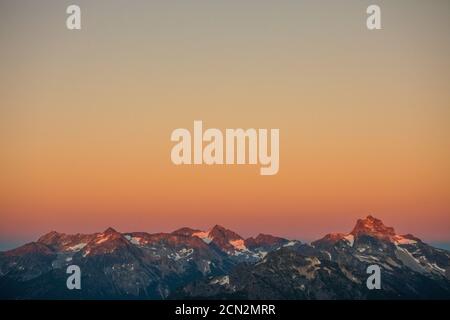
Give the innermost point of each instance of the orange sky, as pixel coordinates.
(86, 116)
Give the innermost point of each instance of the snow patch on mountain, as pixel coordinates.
(86, 253)
(437, 268)
(181, 254)
(225, 280)
(76, 247)
(402, 240)
(204, 235)
(101, 239)
(350, 239)
(409, 260)
(238, 244)
(136, 240)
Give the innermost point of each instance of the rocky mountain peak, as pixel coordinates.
(372, 226)
(50, 238)
(219, 232)
(110, 231)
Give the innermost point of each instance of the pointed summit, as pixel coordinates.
(374, 227)
(369, 226)
(110, 230)
(50, 238)
(109, 235)
(219, 232)
(226, 239)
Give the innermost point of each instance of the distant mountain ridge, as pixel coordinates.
(219, 263)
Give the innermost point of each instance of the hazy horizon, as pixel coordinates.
(8, 245)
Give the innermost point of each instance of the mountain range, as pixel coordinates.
(220, 264)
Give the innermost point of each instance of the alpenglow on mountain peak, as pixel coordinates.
(190, 263)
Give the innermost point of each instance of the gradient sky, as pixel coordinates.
(86, 116)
